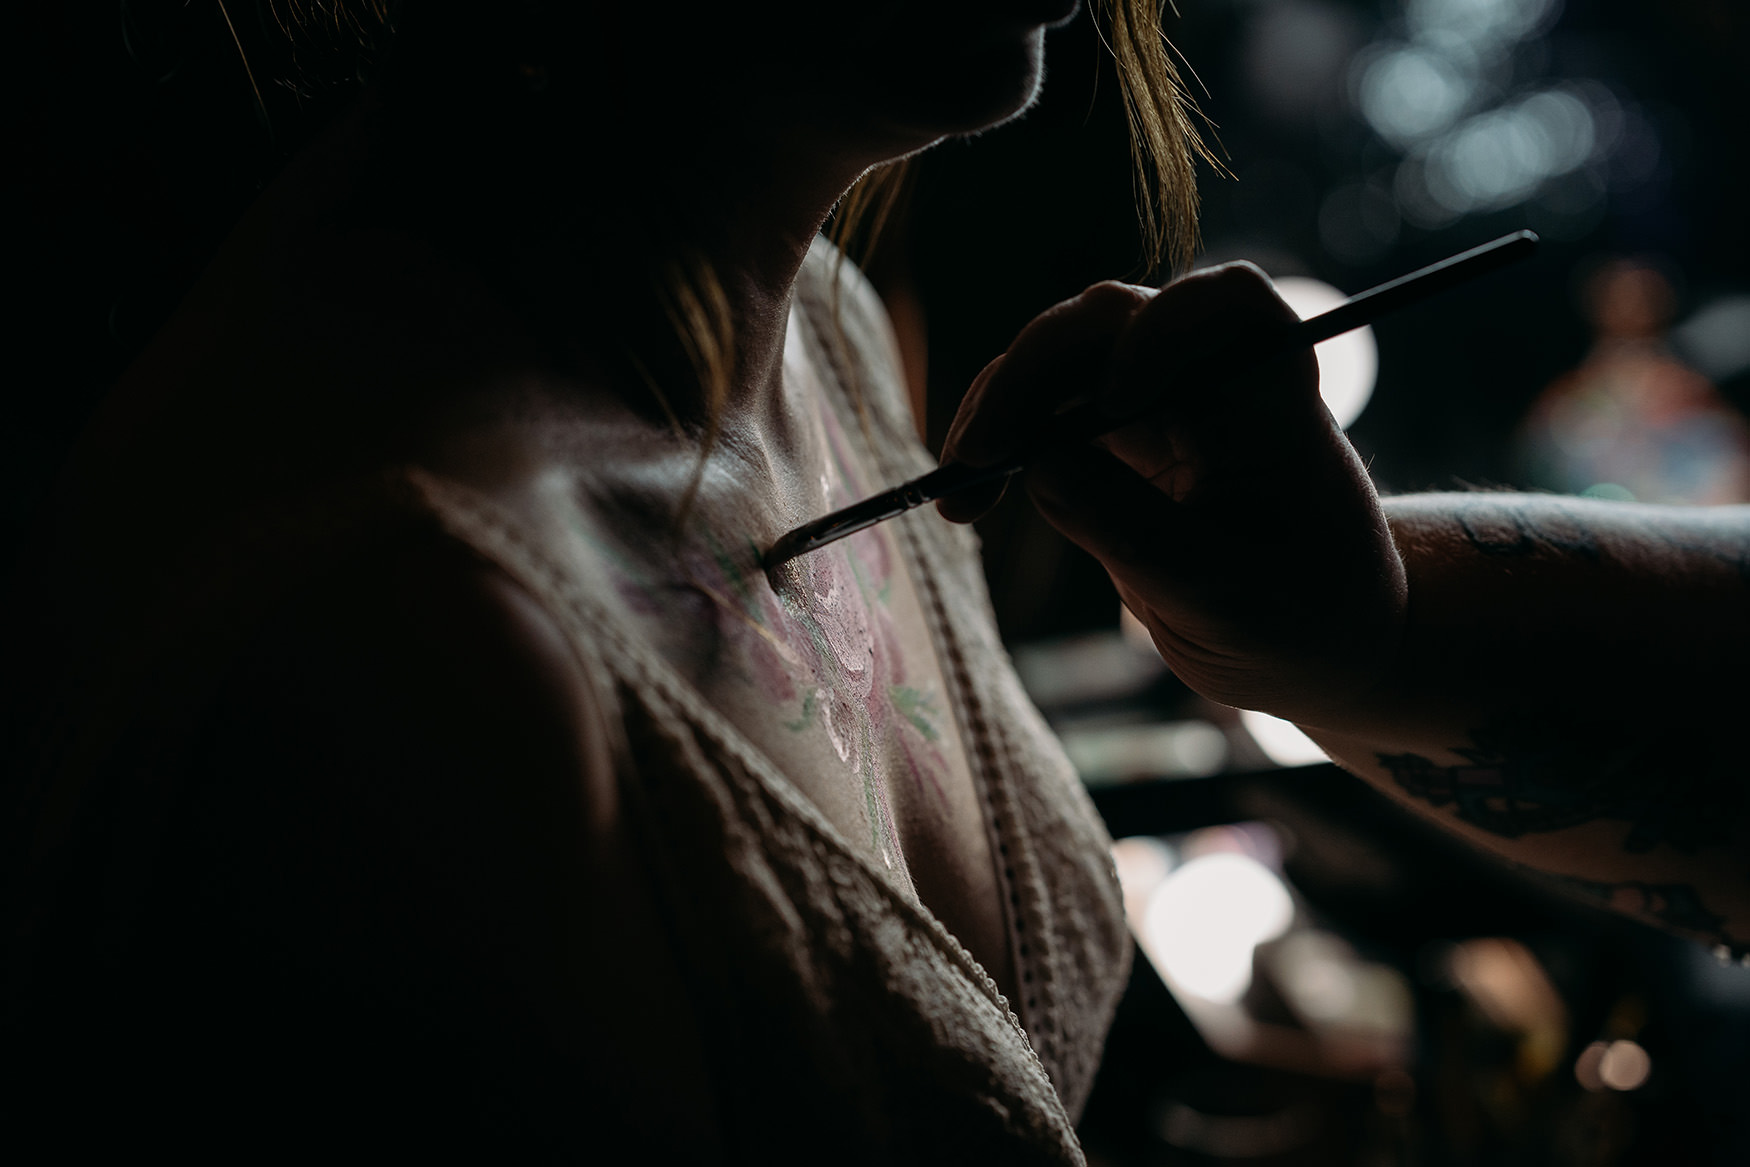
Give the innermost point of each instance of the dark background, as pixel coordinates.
(132, 143)
(1029, 214)
(1010, 222)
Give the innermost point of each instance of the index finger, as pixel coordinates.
(1060, 357)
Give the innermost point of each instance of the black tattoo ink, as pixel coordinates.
(1509, 531)
(1525, 777)
(1493, 542)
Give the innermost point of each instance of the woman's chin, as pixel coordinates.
(970, 90)
(1053, 13)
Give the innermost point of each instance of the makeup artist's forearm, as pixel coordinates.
(1567, 693)
(1519, 600)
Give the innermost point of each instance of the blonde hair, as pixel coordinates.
(1164, 147)
(1164, 142)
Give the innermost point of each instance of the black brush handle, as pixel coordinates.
(1084, 421)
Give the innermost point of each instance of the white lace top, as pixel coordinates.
(844, 1022)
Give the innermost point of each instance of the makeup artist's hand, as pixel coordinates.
(1237, 521)
(1242, 529)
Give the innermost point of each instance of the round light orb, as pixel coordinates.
(1348, 364)
(1205, 918)
(1624, 1066)
(1282, 741)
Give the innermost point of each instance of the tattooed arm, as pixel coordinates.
(1568, 693)
(1556, 680)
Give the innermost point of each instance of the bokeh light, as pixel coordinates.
(1481, 23)
(1624, 1066)
(1509, 986)
(1330, 987)
(1408, 93)
(1204, 920)
(1613, 1065)
(1501, 157)
(1449, 91)
(1716, 340)
(1282, 741)
(1103, 754)
(1348, 364)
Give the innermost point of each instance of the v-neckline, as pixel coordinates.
(633, 661)
(571, 591)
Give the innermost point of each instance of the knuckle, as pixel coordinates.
(1250, 286)
(1215, 300)
(1113, 297)
(1097, 309)
(1243, 271)
(1238, 281)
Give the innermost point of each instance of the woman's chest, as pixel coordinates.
(828, 668)
(831, 669)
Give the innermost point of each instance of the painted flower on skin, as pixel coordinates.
(826, 645)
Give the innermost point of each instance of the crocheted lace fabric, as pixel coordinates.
(843, 1023)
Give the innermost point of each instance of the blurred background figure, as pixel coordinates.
(1633, 422)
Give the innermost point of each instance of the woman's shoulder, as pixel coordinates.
(854, 338)
(403, 770)
(418, 649)
(833, 290)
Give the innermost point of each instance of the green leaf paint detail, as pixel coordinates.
(914, 706)
(738, 581)
(859, 571)
(807, 718)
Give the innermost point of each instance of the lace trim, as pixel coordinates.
(474, 520)
(992, 759)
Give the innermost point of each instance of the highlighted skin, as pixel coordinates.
(817, 640)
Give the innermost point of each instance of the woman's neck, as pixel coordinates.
(588, 235)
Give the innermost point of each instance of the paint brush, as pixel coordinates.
(1084, 421)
